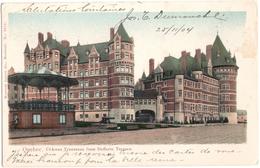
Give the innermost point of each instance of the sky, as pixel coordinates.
(149, 43)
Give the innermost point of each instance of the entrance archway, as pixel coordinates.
(145, 116)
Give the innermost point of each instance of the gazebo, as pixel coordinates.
(42, 113)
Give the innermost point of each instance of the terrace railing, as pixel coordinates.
(41, 105)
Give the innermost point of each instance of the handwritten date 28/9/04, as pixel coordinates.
(174, 29)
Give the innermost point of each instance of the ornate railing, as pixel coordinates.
(41, 105)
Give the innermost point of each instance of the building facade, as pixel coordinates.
(195, 89)
(105, 72)
(189, 89)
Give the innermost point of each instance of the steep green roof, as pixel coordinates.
(173, 66)
(27, 48)
(220, 55)
(122, 32)
(102, 49)
(80, 50)
(170, 66)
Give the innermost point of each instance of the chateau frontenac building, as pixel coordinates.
(199, 88)
(105, 72)
(187, 89)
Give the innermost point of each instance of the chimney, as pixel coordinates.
(188, 54)
(112, 31)
(208, 51)
(183, 53)
(151, 65)
(198, 52)
(49, 35)
(65, 43)
(40, 38)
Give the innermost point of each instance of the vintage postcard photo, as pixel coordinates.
(129, 83)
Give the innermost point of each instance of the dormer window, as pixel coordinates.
(106, 50)
(87, 52)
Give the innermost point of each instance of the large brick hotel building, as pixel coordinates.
(193, 88)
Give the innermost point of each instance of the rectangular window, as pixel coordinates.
(122, 116)
(97, 115)
(180, 81)
(105, 82)
(81, 95)
(81, 106)
(86, 83)
(97, 93)
(97, 82)
(127, 55)
(122, 104)
(86, 106)
(105, 105)
(36, 118)
(180, 93)
(97, 105)
(117, 45)
(105, 93)
(81, 84)
(62, 119)
(81, 74)
(128, 117)
(86, 94)
(117, 69)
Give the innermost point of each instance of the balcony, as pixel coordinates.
(41, 105)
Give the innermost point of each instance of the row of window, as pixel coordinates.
(46, 65)
(100, 71)
(226, 108)
(199, 107)
(225, 86)
(227, 77)
(145, 101)
(41, 55)
(124, 68)
(126, 80)
(126, 104)
(210, 80)
(127, 117)
(92, 72)
(126, 92)
(227, 97)
(86, 83)
(225, 70)
(92, 106)
(37, 119)
(117, 46)
(97, 93)
(126, 55)
(81, 116)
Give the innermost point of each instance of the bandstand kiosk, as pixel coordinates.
(42, 113)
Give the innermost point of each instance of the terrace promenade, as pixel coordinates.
(211, 134)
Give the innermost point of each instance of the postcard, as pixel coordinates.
(129, 83)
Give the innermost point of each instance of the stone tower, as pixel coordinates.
(121, 75)
(225, 69)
